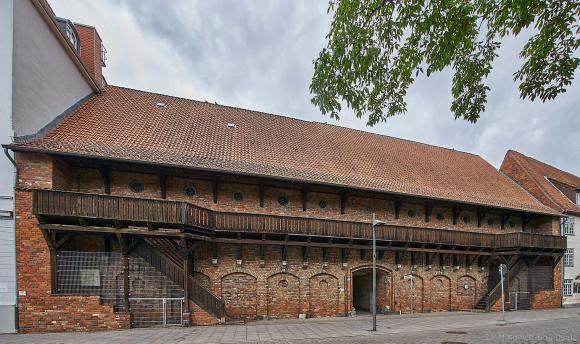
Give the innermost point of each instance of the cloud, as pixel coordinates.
(258, 55)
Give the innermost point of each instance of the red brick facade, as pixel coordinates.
(252, 288)
(38, 309)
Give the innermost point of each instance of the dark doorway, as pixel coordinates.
(362, 281)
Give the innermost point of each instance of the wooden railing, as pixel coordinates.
(197, 292)
(175, 213)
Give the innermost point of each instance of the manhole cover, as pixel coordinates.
(456, 332)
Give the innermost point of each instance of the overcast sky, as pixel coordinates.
(258, 55)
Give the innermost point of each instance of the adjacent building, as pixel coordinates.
(559, 190)
(140, 208)
(48, 67)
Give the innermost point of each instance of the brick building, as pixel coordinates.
(559, 190)
(136, 201)
(42, 77)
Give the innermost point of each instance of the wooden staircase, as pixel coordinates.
(162, 254)
(488, 300)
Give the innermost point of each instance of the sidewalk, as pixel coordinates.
(285, 330)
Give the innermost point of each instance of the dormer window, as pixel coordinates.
(577, 197)
(70, 34)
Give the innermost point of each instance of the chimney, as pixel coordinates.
(93, 53)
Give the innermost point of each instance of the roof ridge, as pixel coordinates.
(299, 119)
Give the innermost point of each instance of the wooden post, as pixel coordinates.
(186, 273)
(53, 268)
(123, 246)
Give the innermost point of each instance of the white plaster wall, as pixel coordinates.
(46, 81)
(7, 171)
(573, 241)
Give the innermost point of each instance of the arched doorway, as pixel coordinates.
(283, 296)
(239, 293)
(362, 287)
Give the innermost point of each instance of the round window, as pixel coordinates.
(440, 216)
(283, 283)
(512, 224)
(189, 191)
(136, 186)
(411, 213)
(490, 222)
(370, 209)
(322, 204)
(466, 219)
(283, 200)
(238, 196)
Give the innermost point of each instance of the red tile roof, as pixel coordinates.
(126, 124)
(544, 181)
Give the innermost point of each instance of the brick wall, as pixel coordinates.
(38, 309)
(317, 290)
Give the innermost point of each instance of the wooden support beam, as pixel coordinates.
(106, 175)
(504, 219)
(413, 258)
(261, 193)
(304, 197)
(163, 185)
(263, 248)
(398, 205)
(479, 261)
(381, 254)
(398, 257)
(526, 222)
(344, 255)
(455, 211)
(428, 209)
(186, 275)
(239, 247)
(284, 248)
(136, 241)
(428, 258)
(58, 244)
(556, 261)
(107, 243)
(480, 216)
(343, 199)
(468, 261)
(325, 255)
(214, 251)
(123, 245)
(362, 253)
(53, 268)
(305, 254)
(215, 188)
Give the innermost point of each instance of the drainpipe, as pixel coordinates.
(563, 276)
(14, 226)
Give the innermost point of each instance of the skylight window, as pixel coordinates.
(231, 125)
(161, 105)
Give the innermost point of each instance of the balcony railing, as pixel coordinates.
(175, 213)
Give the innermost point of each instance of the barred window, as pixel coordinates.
(567, 287)
(569, 257)
(568, 225)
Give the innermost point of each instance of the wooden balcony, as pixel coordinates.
(108, 209)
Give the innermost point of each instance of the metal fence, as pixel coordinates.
(154, 299)
(91, 273)
(520, 300)
(156, 311)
